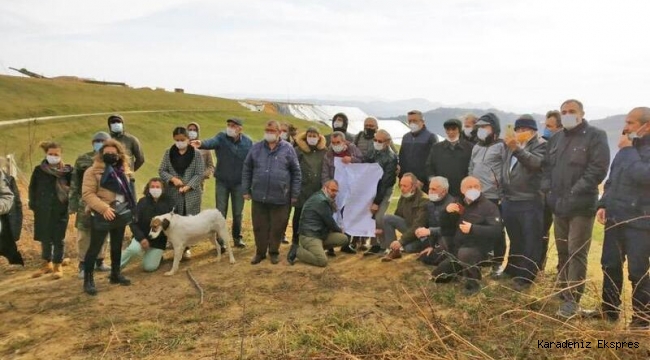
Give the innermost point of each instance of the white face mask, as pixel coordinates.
(472, 194)
(452, 140)
(569, 121)
(338, 124)
(155, 192)
(378, 146)
(284, 136)
(414, 127)
(434, 197)
(270, 137)
(117, 127)
(338, 148)
(483, 133)
(468, 131)
(181, 145)
(193, 135)
(231, 132)
(53, 160)
(312, 141)
(407, 195)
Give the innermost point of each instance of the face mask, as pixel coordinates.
(338, 148)
(231, 132)
(270, 137)
(369, 132)
(547, 133)
(414, 127)
(434, 197)
(338, 124)
(193, 135)
(452, 140)
(635, 134)
(110, 159)
(284, 136)
(312, 141)
(155, 192)
(523, 137)
(181, 145)
(117, 127)
(53, 160)
(482, 133)
(468, 131)
(472, 194)
(98, 146)
(569, 121)
(378, 146)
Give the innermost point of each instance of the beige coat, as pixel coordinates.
(96, 197)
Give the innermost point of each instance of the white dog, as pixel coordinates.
(184, 231)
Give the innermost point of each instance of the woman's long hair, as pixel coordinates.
(121, 152)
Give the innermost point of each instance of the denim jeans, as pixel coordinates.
(236, 194)
(524, 221)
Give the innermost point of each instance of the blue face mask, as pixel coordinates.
(547, 133)
(97, 146)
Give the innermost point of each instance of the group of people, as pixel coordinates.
(458, 198)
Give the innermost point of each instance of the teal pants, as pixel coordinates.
(150, 258)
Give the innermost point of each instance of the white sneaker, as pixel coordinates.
(187, 255)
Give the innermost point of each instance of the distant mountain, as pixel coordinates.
(613, 126)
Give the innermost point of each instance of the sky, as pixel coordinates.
(520, 56)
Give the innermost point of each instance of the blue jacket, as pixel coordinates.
(230, 157)
(272, 176)
(627, 190)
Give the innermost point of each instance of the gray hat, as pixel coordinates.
(237, 121)
(101, 136)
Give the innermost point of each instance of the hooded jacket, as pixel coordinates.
(131, 144)
(414, 152)
(522, 177)
(488, 157)
(348, 137)
(576, 163)
(627, 190)
(310, 159)
(208, 163)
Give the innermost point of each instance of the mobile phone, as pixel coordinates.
(510, 130)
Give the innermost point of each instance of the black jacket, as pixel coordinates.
(316, 218)
(414, 152)
(388, 162)
(434, 213)
(575, 164)
(627, 190)
(451, 162)
(11, 226)
(146, 210)
(50, 214)
(522, 181)
(486, 222)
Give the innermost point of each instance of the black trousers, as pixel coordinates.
(499, 242)
(465, 263)
(97, 238)
(269, 223)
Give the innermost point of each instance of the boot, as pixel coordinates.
(57, 272)
(45, 269)
(117, 278)
(89, 284)
(291, 256)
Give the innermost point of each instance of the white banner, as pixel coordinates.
(357, 189)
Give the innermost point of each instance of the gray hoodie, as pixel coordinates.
(488, 157)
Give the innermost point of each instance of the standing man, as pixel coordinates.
(131, 143)
(552, 125)
(231, 148)
(318, 230)
(522, 203)
(469, 128)
(450, 158)
(365, 139)
(416, 145)
(486, 164)
(576, 159)
(339, 123)
(271, 178)
(623, 210)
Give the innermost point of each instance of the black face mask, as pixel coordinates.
(110, 159)
(369, 133)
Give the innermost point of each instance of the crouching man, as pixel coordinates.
(478, 223)
(318, 230)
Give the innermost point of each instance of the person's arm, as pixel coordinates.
(493, 225)
(165, 169)
(211, 144)
(296, 174)
(247, 173)
(325, 173)
(430, 164)
(386, 182)
(356, 154)
(197, 171)
(325, 213)
(532, 159)
(138, 234)
(32, 196)
(75, 189)
(597, 164)
(420, 220)
(6, 196)
(89, 190)
(639, 170)
(138, 153)
(470, 171)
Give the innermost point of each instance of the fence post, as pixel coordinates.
(12, 166)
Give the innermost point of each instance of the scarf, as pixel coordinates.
(180, 162)
(116, 181)
(60, 172)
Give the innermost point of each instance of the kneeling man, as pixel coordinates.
(318, 230)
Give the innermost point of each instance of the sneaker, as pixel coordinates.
(291, 255)
(392, 255)
(374, 250)
(257, 259)
(330, 253)
(187, 254)
(347, 249)
(239, 244)
(568, 309)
